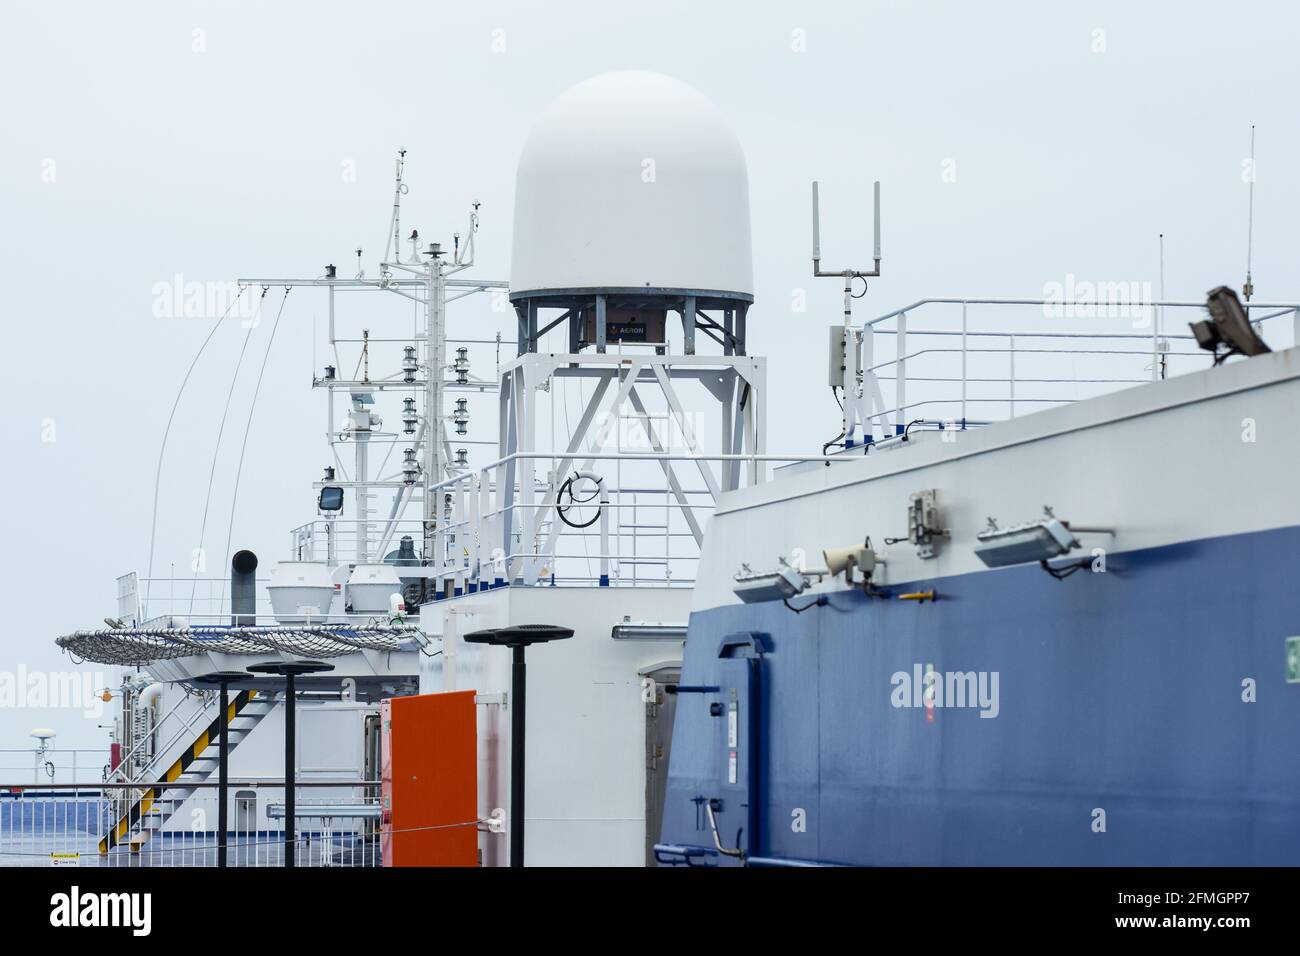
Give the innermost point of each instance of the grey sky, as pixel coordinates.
(228, 161)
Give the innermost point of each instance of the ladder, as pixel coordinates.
(150, 810)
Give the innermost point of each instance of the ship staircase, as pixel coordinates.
(167, 785)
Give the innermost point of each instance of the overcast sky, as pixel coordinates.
(1018, 144)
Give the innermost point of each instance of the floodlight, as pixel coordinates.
(782, 583)
(1039, 540)
(1228, 330)
(331, 500)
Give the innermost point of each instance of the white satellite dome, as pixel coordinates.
(632, 180)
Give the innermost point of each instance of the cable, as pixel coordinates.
(1062, 573)
(239, 470)
(216, 453)
(157, 480)
(818, 602)
(843, 431)
(567, 488)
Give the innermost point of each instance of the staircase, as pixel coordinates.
(155, 805)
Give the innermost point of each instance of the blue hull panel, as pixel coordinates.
(1118, 693)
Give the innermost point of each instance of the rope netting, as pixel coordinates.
(145, 645)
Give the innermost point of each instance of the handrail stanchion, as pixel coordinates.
(963, 365)
(900, 377)
(1011, 375)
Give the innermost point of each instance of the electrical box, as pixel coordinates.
(838, 357)
(924, 528)
(429, 780)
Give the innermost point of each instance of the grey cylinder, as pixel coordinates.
(243, 588)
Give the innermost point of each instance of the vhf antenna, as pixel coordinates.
(848, 275)
(1249, 288)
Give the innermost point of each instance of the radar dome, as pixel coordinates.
(631, 181)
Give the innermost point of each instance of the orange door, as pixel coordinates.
(429, 779)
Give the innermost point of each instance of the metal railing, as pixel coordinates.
(338, 825)
(498, 529)
(331, 540)
(33, 765)
(974, 371)
(183, 720)
(200, 598)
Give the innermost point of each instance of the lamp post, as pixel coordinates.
(289, 670)
(517, 638)
(223, 680)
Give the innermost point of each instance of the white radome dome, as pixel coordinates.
(631, 180)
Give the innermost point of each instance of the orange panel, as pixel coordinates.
(429, 780)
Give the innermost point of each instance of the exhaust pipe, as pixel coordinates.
(243, 589)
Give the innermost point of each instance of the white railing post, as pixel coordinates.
(900, 376)
(963, 365)
(1011, 356)
(866, 362)
(604, 535)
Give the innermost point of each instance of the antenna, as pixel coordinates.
(1161, 345)
(394, 244)
(848, 275)
(817, 240)
(1249, 288)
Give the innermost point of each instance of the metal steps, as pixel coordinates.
(199, 761)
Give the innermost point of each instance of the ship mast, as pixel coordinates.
(424, 278)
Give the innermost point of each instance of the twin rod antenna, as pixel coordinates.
(848, 275)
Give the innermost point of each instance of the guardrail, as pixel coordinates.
(198, 597)
(333, 539)
(495, 532)
(338, 825)
(41, 767)
(970, 372)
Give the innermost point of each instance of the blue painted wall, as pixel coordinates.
(1120, 691)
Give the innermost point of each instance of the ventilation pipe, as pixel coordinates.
(243, 588)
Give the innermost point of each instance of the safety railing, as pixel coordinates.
(338, 824)
(200, 598)
(49, 765)
(338, 540)
(531, 518)
(177, 726)
(980, 360)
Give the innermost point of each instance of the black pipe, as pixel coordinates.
(290, 721)
(222, 680)
(518, 683)
(289, 670)
(223, 774)
(243, 588)
(517, 637)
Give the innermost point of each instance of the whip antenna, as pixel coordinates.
(1249, 288)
